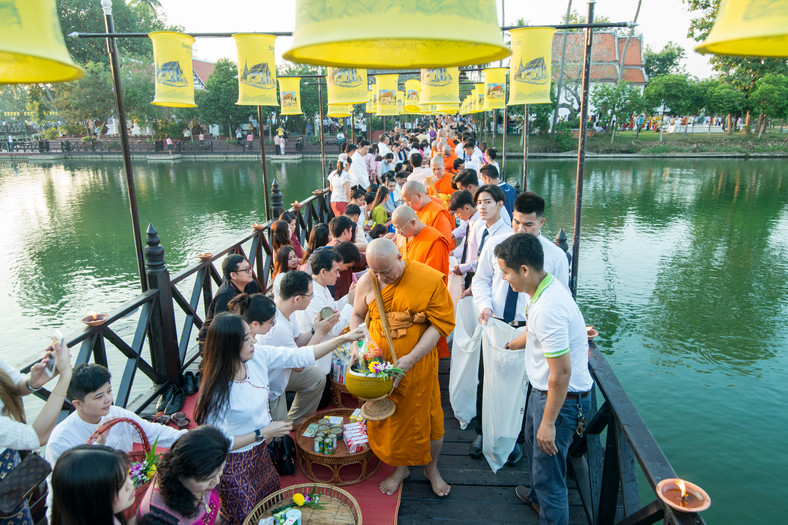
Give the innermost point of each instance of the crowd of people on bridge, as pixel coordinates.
(427, 208)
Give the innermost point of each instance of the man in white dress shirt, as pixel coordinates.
(295, 294)
(469, 180)
(419, 173)
(462, 205)
(358, 168)
(473, 156)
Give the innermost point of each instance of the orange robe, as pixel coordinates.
(404, 438)
(448, 163)
(444, 185)
(437, 216)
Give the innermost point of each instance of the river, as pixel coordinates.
(683, 270)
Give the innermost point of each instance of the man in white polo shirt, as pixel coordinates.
(556, 361)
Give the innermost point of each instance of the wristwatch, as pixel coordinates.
(258, 436)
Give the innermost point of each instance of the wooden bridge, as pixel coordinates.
(604, 463)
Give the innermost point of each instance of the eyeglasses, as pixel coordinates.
(246, 270)
(399, 229)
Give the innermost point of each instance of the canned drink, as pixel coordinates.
(318, 445)
(326, 443)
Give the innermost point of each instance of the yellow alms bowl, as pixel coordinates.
(367, 387)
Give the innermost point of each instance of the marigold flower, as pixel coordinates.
(298, 499)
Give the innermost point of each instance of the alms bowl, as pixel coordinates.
(367, 387)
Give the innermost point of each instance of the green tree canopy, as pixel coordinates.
(89, 98)
(770, 96)
(724, 99)
(666, 61)
(679, 95)
(621, 100)
(217, 102)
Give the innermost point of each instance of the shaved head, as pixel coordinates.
(382, 248)
(447, 150)
(436, 162)
(385, 261)
(402, 215)
(413, 188)
(415, 195)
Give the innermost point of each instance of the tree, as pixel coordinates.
(542, 113)
(667, 61)
(770, 96)
(217, 102)
(674, 91)
(622, 101)
(741, 72)
(89, 98)
(724, 99)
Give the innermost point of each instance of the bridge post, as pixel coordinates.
(162, 335)
(276, 201)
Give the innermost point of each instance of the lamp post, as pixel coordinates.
(114, 61)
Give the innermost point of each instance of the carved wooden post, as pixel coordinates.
(163, 337)
(560, 241)
(517, 187)
(276, 200)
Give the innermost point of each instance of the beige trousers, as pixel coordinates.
(308, 386)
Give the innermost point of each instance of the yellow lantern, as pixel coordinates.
(346, 85)
(32, 49)
(290, 95)
(440, 85)
(530, 70)
(387, 94)
(749, 28)
(256, 69)
(372, 99)
(400, 102)
(426, 109)
(478, 90)
(447, 109)
(389, 34)
(412, 94)
(174, 83)
(339, 110)
(494, 88)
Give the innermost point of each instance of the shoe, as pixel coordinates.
(515, 456)
(171, 400)
(165, 398)
(189, 383)
(476, 447)
(524, 494)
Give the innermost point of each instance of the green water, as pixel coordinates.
(683, 270)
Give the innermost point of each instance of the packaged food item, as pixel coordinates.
(355, 417)
(311, 430)
(318, 445)
(335, 420)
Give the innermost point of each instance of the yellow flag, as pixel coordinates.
(440, 86)
(479, 92)
(172, 54)
(412, 94)
(339, 110)
(749, 28)
(372, 99)
(290, 95)
(530, 69)
(494, 88)
(346, 85)
(256, 69)
(400, 102)
(387, 94)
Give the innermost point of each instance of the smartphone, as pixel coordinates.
(51, 367)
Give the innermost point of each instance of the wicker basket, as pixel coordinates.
(342, 508)
(134, 457)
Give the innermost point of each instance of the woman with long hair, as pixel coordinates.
(184, 490)
(91, 484)
(379, 214)
(280, 235)
(339, 182)
(233, 397)
(290, 219)
(318, 238)
(284, 261)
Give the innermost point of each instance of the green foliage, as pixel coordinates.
(666, 61)
(723, 99)
(770, 96)
(89, 98)
(621, 100)
(542, 114)
(675, 91)
(52, 134)
(217, 103)
(138, 93)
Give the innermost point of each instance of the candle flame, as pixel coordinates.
(682, 486)
(94, 315)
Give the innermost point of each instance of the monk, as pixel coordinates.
(441, 180)
(415, 296)
(429, 212)
(448, 160)
(423, 244)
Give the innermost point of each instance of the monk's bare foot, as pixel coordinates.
(390, 485)
(439, 487)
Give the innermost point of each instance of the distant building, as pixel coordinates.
(202, 72)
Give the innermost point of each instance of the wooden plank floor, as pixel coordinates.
(477, 495)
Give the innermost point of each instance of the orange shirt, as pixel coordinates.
(404, 438)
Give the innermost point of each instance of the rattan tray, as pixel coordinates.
(340, 507)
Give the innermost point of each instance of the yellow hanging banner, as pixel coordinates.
(479, 92)
(32, 49)
(400, 102)
(494, 88)
(749, 28)
(426, 109)
(346, 85)
(387, 94)
(256, 69)
(447, 109)
(372, 99)
(412, 94)
(530, 70)
(440, 86)
(290, 95)
(174, 83)
(339, 110)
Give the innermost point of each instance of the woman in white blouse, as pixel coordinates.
(234, 398)
(339, 182)
(15, 433)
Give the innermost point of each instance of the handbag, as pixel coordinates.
(20, 481)
(282, 452)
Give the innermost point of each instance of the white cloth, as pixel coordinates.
(338, 181)
(282, 335)
(383, 149)
(464, 370)
(419, 174)
(322, 298)
(14, 434)
(556, 327)
(247, 409)
(358, 170)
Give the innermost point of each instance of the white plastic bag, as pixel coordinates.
(505, 385)
(466, 349)
(454, 284)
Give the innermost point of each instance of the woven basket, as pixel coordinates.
(134, 457)
(285, 495)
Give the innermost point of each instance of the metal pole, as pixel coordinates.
(561, 74)
(322, 141)
(525, 149)
(503, 148)
(581, 149)
(114, 62)
(262, 162)
(369, 129)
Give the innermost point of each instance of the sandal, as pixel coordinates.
(180, 420)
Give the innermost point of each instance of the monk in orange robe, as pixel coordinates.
(448, 161)
(429, 212)
(420, 311)
(440, 181)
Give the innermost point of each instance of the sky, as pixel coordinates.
(659, 21)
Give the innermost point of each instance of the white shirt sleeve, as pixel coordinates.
(162, 435)
(483, 280)
(17, 436)
(288, 356)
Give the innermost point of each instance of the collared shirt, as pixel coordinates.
(383, 149)
(283, 334)
(475, 226)
(420, 174)
(369, 161)
(358, 170)
(322, 298)
(556, 327)
(555, 261)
